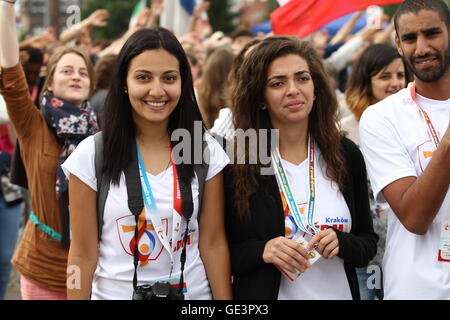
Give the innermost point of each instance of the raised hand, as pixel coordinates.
(142, 18)
(49, 35)
(98, 18)
(200, 8)
(157, 7)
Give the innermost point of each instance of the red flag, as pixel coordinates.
(302, 17)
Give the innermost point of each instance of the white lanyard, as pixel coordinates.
(305, 223)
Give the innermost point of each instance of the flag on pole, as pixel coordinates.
(303, 17)
(139, 6)
(177, 15)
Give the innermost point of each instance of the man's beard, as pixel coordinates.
(434, 74)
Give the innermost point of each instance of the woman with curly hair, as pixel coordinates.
(310, 220)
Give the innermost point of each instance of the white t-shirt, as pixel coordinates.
(114, 274)
(326, 279)
(350, 125)
(223, 125)
(396, 144)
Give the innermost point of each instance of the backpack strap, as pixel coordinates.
(133, 182)
(187, 208)
(201, 170)
(102, 182)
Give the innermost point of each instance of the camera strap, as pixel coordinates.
(187, 208)
(136, 205)
(135, 202)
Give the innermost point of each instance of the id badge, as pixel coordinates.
(444, 242)
(314, 255)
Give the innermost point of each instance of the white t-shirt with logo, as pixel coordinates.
(114, 274)
(325, 279)
(396, 144)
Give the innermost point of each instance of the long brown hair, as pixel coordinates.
(248, 98)
(213, 92)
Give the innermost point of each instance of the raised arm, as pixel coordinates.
(384, 36)
(196, 15)
(156, 9)
(9, 45)
(345, 30)
(24, 116)
(416, 201)
(96, 19)
(346, 53)
(41, 41)
(116, 46)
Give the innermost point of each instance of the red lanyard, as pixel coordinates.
(177, 200)
(431, 131)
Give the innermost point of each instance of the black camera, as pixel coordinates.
(158, 291)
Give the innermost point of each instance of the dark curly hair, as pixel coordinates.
(249, 96)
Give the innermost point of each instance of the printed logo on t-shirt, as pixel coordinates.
(338, 223)
(425, 153)
(149, 245)
(291, 228)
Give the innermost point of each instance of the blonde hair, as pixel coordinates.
(54, 59)
(358, 100)
(373, 60)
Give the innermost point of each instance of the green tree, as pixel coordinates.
(119, 16)
(272, 5)
(220, 16)
(390, 9)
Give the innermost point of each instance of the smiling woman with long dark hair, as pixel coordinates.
(151, 97)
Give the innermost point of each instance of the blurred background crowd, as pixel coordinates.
(213, 34)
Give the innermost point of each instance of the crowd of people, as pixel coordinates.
(93, 167)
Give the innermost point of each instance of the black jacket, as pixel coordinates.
(255, 279)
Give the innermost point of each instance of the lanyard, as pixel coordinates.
(306, 224)
(151, 209)
(431, 131)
